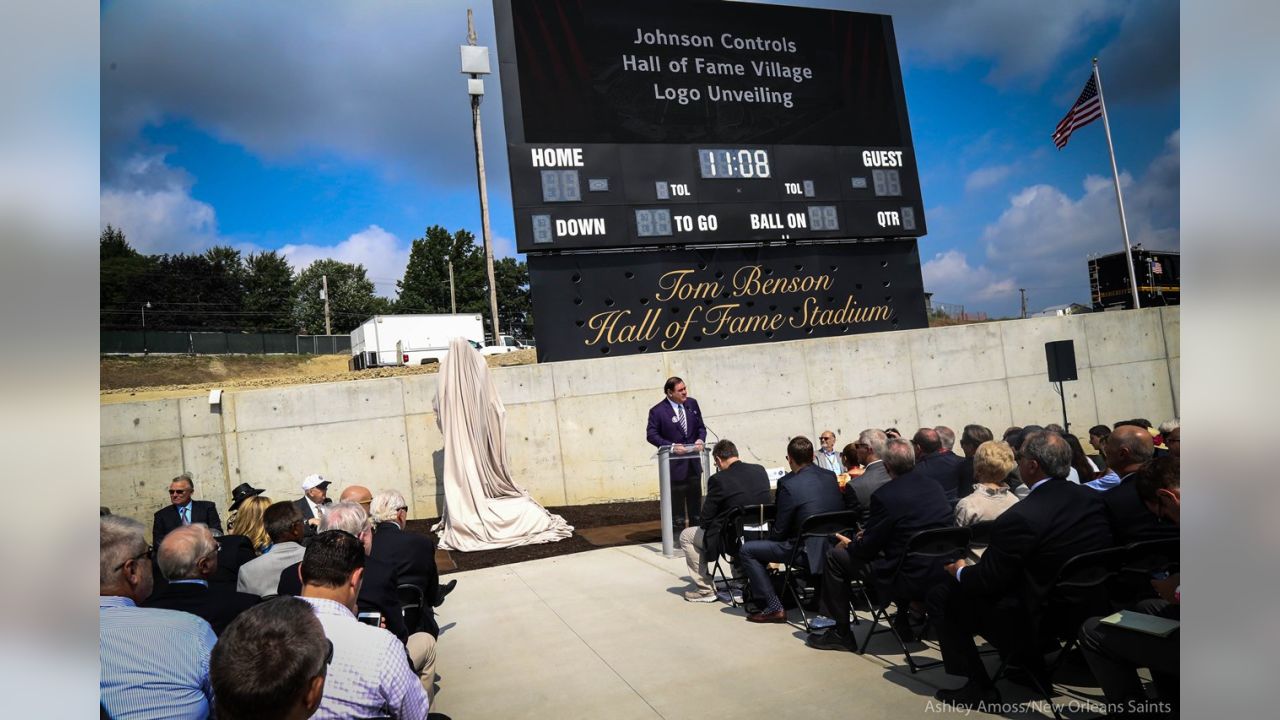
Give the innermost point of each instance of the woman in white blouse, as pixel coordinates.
(991, 496)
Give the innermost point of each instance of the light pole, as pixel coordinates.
(145, 305)
(453, 302)
(475, 62)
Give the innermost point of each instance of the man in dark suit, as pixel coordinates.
(412, 556)
(1128, 448)
(736, 485)
(972, 437)
(1030, 542)
(677, 421)
(940, 467)
(902, 507)
(806, 491)
(188, 558)
(182, 510)
(313, 503)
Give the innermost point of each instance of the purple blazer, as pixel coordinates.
(664, 430)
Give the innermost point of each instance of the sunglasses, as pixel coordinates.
(179, 492)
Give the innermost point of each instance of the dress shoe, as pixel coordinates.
(443, 590)
(777, 616)
(831, 640)
(969, 696)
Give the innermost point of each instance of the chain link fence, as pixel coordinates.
(167, 342)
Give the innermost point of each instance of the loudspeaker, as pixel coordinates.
(1061, 356)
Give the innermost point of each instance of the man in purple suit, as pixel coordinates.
(677, 421)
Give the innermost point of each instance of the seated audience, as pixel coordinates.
(970, 439)
(357, 494)
(270, 663)
(188, 557)
(1030, 542)
(313, 504)
(736, 484)
(826, 456)
(807, 490)
(991, 496)
(283, 523)
(933, 463)
(242, 492)
(1129, 448)
(413, 556)
(250, 522)
(1097, 440)
(1114, 654)
(183, 510)
(868, 449)
(1082, 469)
(369, 675)
(377, 597)
(154, 663)
(902, 507)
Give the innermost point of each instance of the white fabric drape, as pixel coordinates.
(484, 507)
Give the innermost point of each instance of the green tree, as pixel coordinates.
(515, 307)
(124, 278)
(351, 298)
(425, 286)
(268, 293)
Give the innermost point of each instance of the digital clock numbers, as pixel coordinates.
(733, 163)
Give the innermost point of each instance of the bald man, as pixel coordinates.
(358, 494)
(1127, 449)
(188, 557)
(931, 462)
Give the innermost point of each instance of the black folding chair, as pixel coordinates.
(937, 545)
(411, 603)
(1079, 591)
(1149, 557)
(732, 534)
(822, 525)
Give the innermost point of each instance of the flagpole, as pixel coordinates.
(1115, 173)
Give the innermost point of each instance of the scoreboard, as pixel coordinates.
(686, 122)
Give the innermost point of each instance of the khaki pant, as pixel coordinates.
(422, 658)
(691, 542)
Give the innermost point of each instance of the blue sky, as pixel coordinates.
(342, 129)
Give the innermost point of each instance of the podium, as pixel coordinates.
(665, 458)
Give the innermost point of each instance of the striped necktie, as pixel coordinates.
(185, 520)
(684, 424)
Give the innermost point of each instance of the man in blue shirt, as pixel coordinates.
(155, 663)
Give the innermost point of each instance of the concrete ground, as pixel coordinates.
(606, 634)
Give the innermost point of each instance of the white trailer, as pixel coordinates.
(411, 339)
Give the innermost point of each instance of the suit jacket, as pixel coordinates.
(965, 487)
(864, 486)
(736, 486)
(1130, 519)
(1033, 539)
(413, 556)
(217, 604)
(234, 552)
(377, 593)
(901, 508)
(261, 576)
(304, 507)
(809, 491)
(944, 469)
(167, 518)
(664, 430)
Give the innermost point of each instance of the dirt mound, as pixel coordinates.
(126, 379)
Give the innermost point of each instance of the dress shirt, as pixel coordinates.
(190, 581)
(370, 674)
(1106, 482)
(155, 663)
(316, 510)
(184, 513)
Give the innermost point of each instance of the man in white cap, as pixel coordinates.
(314, 501)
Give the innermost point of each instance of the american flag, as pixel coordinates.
(1087, 109)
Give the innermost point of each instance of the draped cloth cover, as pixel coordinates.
(484, 507)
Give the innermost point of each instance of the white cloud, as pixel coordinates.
(383, 255)
(151, 202)
(1043, 238)
(986, 177)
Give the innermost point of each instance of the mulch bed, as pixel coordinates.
(594, 527)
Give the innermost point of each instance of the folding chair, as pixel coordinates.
(1149, 557)
(937, 545)
(750, 522)
(411, 601)
(821, 526)
(1080, 583)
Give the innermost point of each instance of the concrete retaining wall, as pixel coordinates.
(576, 429)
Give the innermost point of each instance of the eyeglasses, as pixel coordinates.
(403, 507)
(328, 658)
(146, 555)
(179, 492)
(827, 437)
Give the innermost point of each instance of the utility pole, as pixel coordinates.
(1024, 301)
(453, 302)
(475, 62)
(324, 293)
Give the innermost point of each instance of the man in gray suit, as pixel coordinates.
(869, 447)
(284, 525)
